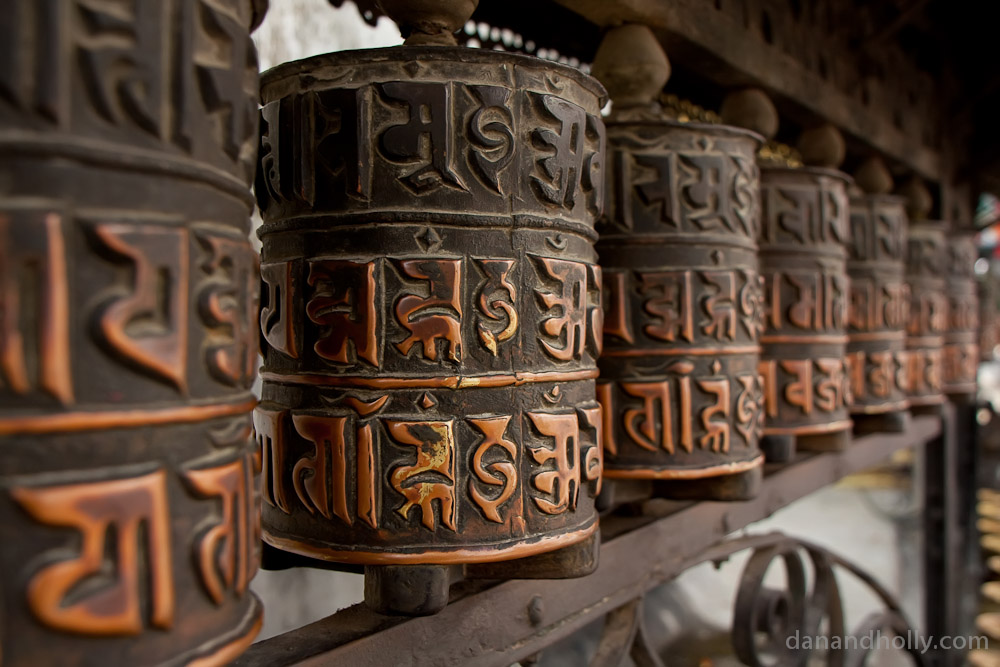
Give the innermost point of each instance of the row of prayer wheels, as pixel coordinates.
(480, 300)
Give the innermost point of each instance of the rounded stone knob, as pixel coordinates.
(822, 146)
(873, 176)
(429, 22)
(919, 201)
(632, 66)
(751, 108)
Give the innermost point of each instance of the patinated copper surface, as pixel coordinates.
(683, 302)
(879, 303)
(928, 316)
(803, 261)
(961, 340)
(431, 306)
(128, 292)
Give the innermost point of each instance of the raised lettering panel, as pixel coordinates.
(122, 527)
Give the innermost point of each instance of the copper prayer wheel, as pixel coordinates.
(128, 289)
(431, 308)
(877, 311)
(989, 316)
(961, 349)
(803, 260)
(683, 305)
(928, 316)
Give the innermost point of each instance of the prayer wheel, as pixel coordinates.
(129, 506)
(989, 317)
(961, 348)
(879, 303)
(803, 260)
(431, 310)
(928, 314)
(679, 384)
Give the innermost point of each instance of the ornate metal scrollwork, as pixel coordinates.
(770, 624)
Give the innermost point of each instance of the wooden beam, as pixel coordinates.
(724, 51)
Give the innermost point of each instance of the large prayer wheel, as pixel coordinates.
(961, 340)
(683, 313)
(128, 290)
(431, 308)
(803, 260)
(879, 303)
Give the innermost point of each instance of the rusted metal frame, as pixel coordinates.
(729, 55)
(515, 619)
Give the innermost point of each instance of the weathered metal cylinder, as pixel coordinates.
(683, 302)
(878, 306)
(804, 263)
(961, 340)
(989, 316)
(928, 313)
(431, 305)
(128, 504)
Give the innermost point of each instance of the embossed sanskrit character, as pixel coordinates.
(437, 315)
(644, 433)
(593, 456)
(794, 210)
(130, 517)
(569, 166)
(881, 376)
(799, 391)
(657, 194)
(342, 144)
(606, 400)
(277, 321)
(706, 187)
(670, 305)
(566, 328)
(425, 137)
(716, 431)
(491, 140)
(345, 304)
(269, 432)
(616, 312)
(805, 312)
(31, 240)
(228, 301)
(500, 472)
(720, 306)
(830, 394)
(562, 480)
(147, 327)
(322, 481)
(497, 303)
(122, 49)
(226, 552)
(432, 475)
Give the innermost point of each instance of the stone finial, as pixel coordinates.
(822, 146)
(873, 176)
(919, 201)
(633, 68)
(429, 22)
(750, 108)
